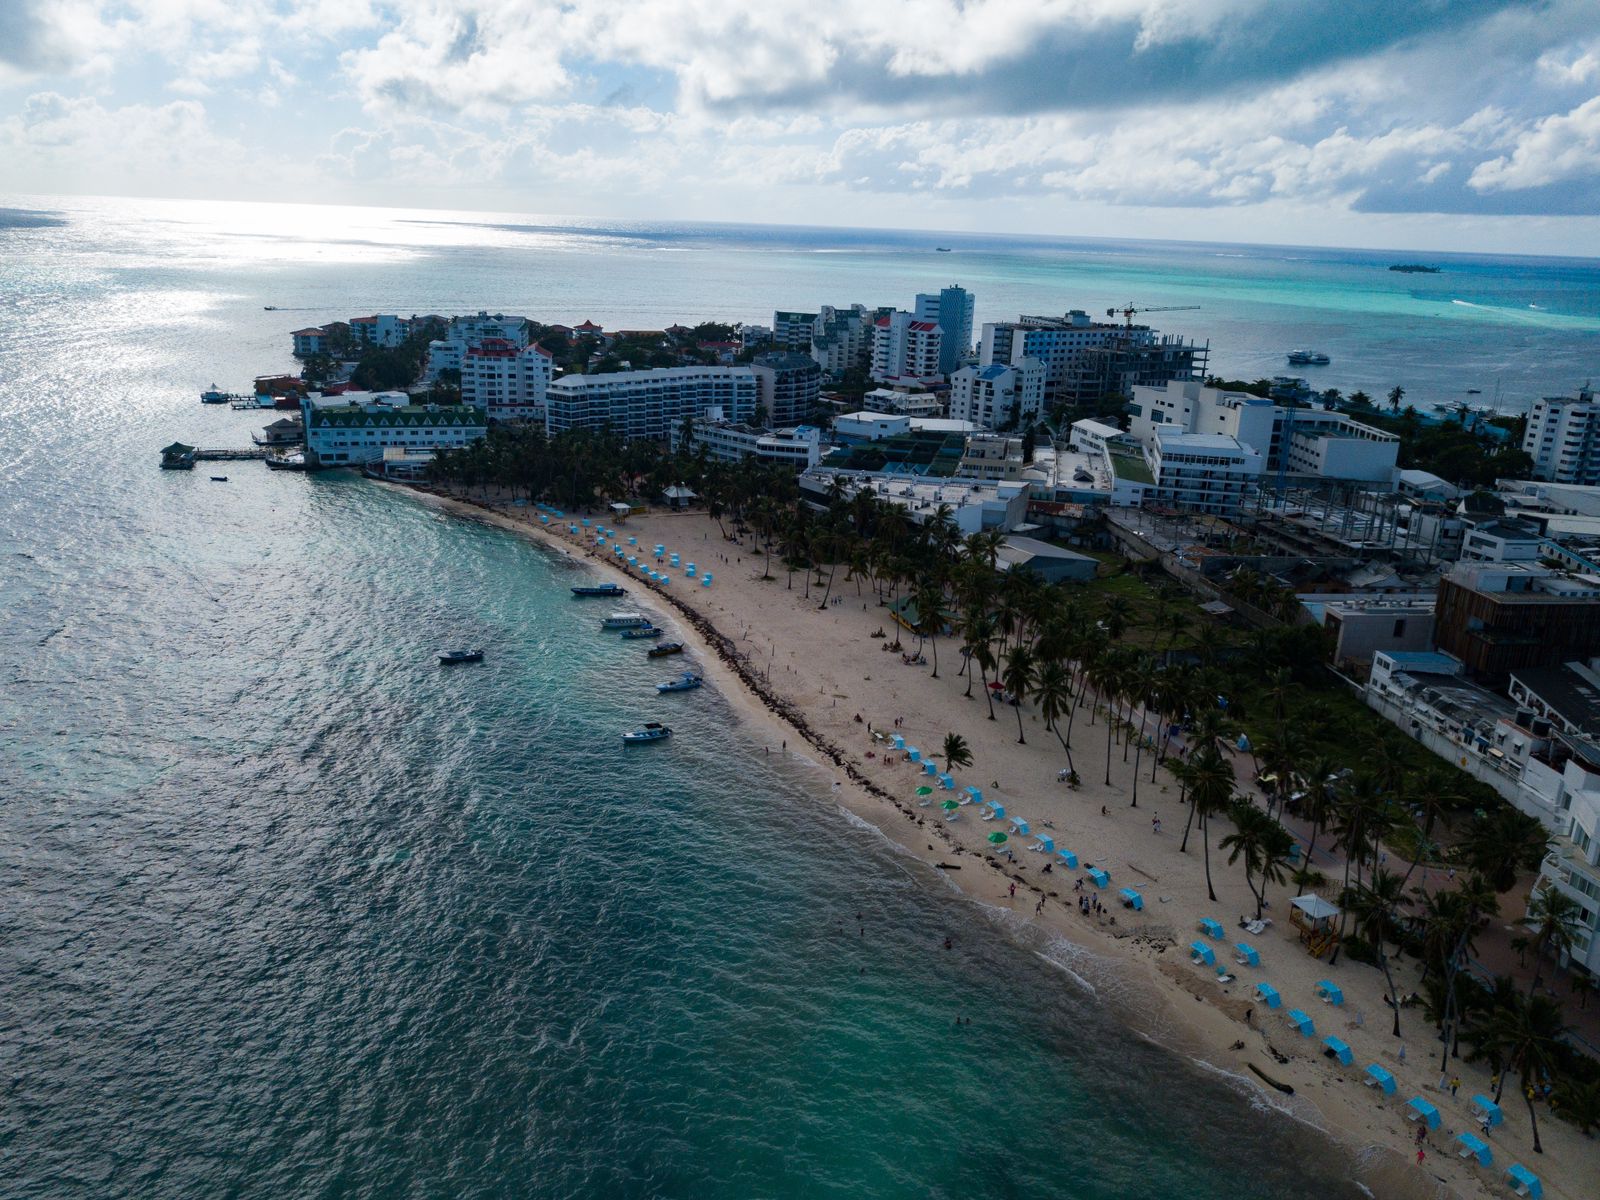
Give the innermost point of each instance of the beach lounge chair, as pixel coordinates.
(1340, 1049)
(1199, 952)
(1212, 929)
(1301, 1023)
(1246, 956)
(1523, 1181)
(1330, 993)
(1380, 1078)
(992, 813)
(1473, 1146)
(1421, 1110)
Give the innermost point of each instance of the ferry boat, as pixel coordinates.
(1308, 358)
(647, 631)
(651, 731)
(687, 682)
(214, 395)
(600, 589)
(623, 620)
(451, 657)
(294, 461)
(664, 649)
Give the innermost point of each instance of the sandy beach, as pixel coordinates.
(802, 674)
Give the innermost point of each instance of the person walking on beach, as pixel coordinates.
(1013, 891)
(1455, 1084)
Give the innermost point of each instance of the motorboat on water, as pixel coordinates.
(219, 479)
(665, 649)
(600, 589)
(687, 682)
(1308, 358)
(451, 657)
(647, 631)
(213, 395)
(622, 620)
(651, 731)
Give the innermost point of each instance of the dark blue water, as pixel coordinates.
(288, 910)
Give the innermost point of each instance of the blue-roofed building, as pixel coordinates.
(1000, 395)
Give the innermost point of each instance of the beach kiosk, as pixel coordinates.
(1301, 1023)
(1421, 1110)
(1199, 952)
(1101, 878)
(1523, 1181)
(1380, 1078)
(1068, 858)
(1473, 1146)
(1132, 899)
(1339, 1049)
(1212, 929)
(1245, 955)
(1487, 1112)
(1268, 995)
(1330, 992)
(1317, 920)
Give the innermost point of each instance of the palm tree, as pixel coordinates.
(1580, 1102)
(1210, 789)
(1262, 843)
(1018, 680)
(1503, 842)
(1396, 394)
(1525, 1035)
(1556, 919)
(1052, 691)
(956, 752)
(1375, 905)
(929, 600)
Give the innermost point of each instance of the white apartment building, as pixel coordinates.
(385, 329)
(999, 396)
(310, 341)
(1327, 445)
(798, 447)
(907, 402)
(793, 330)
(1573, 864)
(649, 404)
(1563, 438)
(1201, 472)
(509, 381)
(951, 310)
(868, 426)
(905, 348)
(354, 434)
(972, 505)
(1060, 343)
(841, 338)
(789, 384)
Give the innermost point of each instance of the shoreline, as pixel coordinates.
(1172, 1004)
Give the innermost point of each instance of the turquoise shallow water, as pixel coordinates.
(290, 911)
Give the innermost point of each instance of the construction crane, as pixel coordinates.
(1128, 310)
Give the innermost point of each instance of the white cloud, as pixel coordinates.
(1555, 149)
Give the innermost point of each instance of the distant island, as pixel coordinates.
(1415, 269)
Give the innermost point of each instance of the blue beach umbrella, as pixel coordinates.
(1132, 899)
(1199, 952)
(1485, 1109)
(1301, 1022)
(1101, 878)
(1421, 1110)
(1068, 858)
(1212, 928)
(1047, 844)
(1268, 995)
(1341, 1050)
(1019, 826)
(1245, 955)
(1330, 992)
(1524, 1182)
(1473, 1146)
(1380, 1078)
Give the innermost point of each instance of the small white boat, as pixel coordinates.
(214, 395)
(651, 731)
(451, 657)
(687, 682)
(624, 621)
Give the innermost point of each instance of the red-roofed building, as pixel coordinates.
(903, 346)
(506, 380)
(310, 341)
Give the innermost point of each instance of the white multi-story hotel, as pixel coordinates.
(999, 396)
(905, 348)
(310, 341)
(1201, 472)
(1328, 445)
(509, 382)
(790, 383)
(951, 310)
(463, 333)
(385, 329)
(650, 404)
(798, 447)
(353, 434)
(1563, 438)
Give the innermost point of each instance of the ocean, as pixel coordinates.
(289, 910)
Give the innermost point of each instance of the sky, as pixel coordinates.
(1434, 124)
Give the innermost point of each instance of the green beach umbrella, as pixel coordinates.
(924, 790)
(950, 805)
(997, 838)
